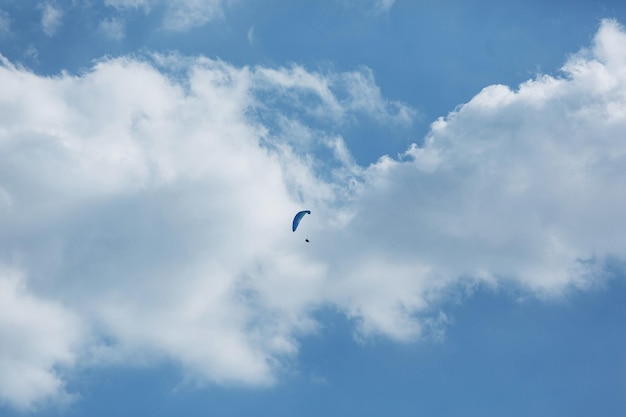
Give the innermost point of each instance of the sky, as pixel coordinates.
(464, 164)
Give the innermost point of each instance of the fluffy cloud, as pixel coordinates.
(152, 198)
(514, 185)
(37, 338)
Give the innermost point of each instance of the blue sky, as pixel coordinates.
(464, 165)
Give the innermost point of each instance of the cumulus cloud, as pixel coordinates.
(152, 198)
(514, 185)
(38, 337)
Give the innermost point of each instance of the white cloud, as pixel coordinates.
(51, 19)
(364, 95)
(180, 15)
(338, 97)
(371, 6)
(37, 337)
(186, 14)
(251, 37)
(152, 198)
(514, 185)
(133, 4)
(112, 28)
(148, 207)
(384, 5)
(32, 53)
(5, 24)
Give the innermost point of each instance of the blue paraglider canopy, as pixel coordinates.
(296, 220)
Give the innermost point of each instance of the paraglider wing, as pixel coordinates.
(297, 218)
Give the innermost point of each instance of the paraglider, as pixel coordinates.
(296, 221)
